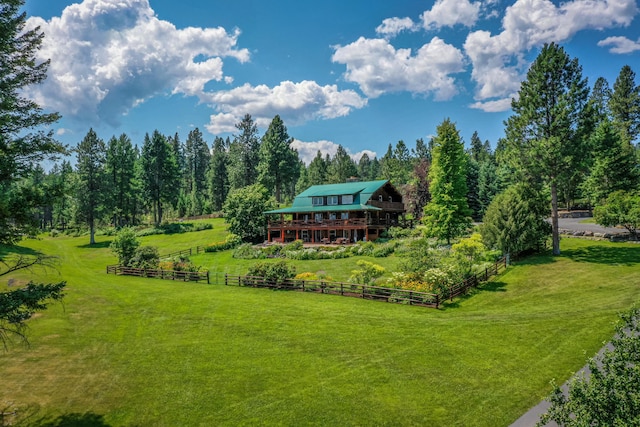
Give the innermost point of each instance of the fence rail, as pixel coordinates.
(185, 276)
(191, 251)
(401, 296)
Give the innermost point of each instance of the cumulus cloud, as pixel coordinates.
(448, 13)
(108, 56)
(499, 60)
(378, 67)
(307, 151)
(390, 27)
(620, 45)
(294, 102)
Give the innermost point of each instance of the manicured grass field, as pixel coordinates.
(131, 351)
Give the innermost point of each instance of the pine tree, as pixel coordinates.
(278, 167)
(318, 170)
(120, 173)
(244, 154)
(23, 143)
(160, 174)
(197, 158)
(90, 164)
(218, 181)
(545, 135)
(625, 103)
(342, 167)
(447, 215)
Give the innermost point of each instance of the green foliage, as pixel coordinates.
(275, 271)
(23, 140)
(278, 167)
(125, 245)
(91, 158)
(546, 135)
(516, 221)
(447, 215)
(624, 104)
(145, 257)
(247, 251)
(244, 211)
(615, 164)
(18, 306)
(122, 186)
(469, 252)
(217, 175)
(296, 245)
(341, 167)
(367, 273)
(620, 208)
(244, 154)
(610, 394)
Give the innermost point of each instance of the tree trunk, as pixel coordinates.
(92, 233)
(555, 234)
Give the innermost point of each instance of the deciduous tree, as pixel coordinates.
(244, 212)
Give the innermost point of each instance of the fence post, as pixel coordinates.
(208, 282)
(486, 274)
(410, 297)
(303, 286)
(342, 289)
(225, 279)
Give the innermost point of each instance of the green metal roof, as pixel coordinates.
(325, 208)
(360, 190)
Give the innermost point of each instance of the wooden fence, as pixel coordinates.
(401, 296)
(185, 276)
(189, 252)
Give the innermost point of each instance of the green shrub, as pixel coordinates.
(382, 251)
(125, 245)
(293, 246)
(145, 257)
(274, 271)
(247, 251)
(54, 233)
(367, 273)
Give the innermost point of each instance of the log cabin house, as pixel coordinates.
(338, 213)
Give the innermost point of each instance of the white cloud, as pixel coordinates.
(379, 68)
(307, 151)
(448, 13)
(294, 102)
(495, 106)
(390, 27)
(108, 56)
(620, 45)
(63, 131)
(499, 60)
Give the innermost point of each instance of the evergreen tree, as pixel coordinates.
(218, 181)
(278, 167)
(23, 143)
(447, 215)
(422, 151)
(90, 164)
(625, 103)
(303, 179)
(197, 158)
(615, 165)
(599, 98)
(120, 173)
(489, 184)
(64, 202)
(365, 170)
(342, 167)
(318, 170)
(473, 187)
(244, 154)
(160, 174)
(545, 136)
(418, 194)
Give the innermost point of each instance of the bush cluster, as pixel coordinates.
(230, 242)
(275, 271)
(295, 250)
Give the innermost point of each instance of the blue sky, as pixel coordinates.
(358, 73)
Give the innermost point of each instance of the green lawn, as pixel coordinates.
(130, 351)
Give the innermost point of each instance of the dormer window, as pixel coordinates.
(347, 199)
(380, 198)
(332, 200)
(317, 201)
(390, 199)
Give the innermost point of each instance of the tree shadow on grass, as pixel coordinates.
(16, 250)
(88, 419)
(610, 255)
(97, 245)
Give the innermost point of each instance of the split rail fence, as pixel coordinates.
(185, 276)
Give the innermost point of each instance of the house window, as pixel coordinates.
(317, 201)
(390, 199)
(380, 198)
(332, 200)
(344, 215)
(347, 199)
(318, 217)
(332, 215)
